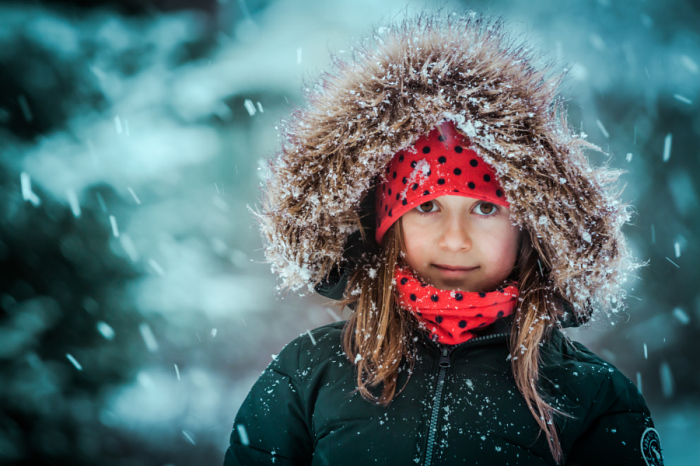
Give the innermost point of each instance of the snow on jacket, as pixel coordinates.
(460, 406)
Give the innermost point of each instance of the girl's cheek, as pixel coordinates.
(418, 242)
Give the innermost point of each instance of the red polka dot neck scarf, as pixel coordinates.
(439, 163)
(450, 315)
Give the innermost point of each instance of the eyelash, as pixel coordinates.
(495, 208)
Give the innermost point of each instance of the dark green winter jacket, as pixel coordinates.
(461, 406)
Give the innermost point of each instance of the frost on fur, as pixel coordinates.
(403, 81)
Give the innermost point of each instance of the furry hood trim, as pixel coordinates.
(403, 80)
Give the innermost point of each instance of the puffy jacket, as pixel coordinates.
(460, 406)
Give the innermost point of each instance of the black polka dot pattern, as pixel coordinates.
(440, 163)
(450, 315)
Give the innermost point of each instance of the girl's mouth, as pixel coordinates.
(452, 271)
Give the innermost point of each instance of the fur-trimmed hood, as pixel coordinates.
(401, 81)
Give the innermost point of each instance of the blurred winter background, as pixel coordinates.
(136, 309)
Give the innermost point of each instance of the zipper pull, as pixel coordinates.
(445, 357)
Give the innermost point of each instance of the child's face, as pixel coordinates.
(460, 232)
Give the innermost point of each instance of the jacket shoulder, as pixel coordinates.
(610, 387)
(618, 393)
(275, 422)
(611, 414)
(325, 337)
(297, 357)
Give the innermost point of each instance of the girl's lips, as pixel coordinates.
(448, 270)
(453, 267)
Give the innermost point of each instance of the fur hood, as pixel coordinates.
(399, 83)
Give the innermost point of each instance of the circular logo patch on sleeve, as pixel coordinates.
(651, 447)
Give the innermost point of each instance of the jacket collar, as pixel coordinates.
(499, 330)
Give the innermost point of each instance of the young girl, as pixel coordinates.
(433, 186)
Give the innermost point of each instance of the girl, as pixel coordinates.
(433, 186)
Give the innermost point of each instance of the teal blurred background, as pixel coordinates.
(136, 309)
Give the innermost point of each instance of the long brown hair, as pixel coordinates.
(377, 335)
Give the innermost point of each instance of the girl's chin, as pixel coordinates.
(455, 285)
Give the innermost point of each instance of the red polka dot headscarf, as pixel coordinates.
(439, 164)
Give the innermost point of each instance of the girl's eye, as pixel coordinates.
(428, 206)
(489, 210)
(485, 209)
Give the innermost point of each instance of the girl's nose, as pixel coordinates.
(454, 236)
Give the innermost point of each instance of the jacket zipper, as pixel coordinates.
(444, 364)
